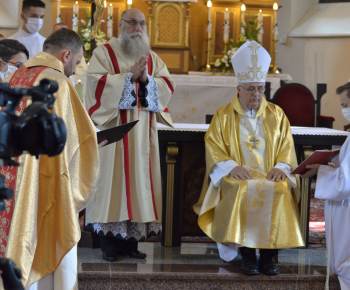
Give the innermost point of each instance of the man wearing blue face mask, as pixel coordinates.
(13, 55)
(33, 12)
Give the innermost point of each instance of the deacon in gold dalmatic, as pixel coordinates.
(51, 191)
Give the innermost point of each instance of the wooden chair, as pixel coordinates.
(300, 106)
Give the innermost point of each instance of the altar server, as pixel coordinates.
(249, 198)
(33, 12)
(51, 191)
(127, 82)
(333, 185)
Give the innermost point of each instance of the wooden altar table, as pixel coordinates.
(182, 157)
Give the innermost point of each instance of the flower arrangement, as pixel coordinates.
(250, 32)
(85, 34)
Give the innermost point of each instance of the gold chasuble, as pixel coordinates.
(51, 191)
(255, 213)
(129, 187)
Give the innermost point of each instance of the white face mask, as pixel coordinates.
(346, 113)
(34, 24)
(10, 70)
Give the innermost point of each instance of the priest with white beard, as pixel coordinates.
(33, 12)
(249, 199)
(127, 82)
(333, 185)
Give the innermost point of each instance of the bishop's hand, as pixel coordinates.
(240, 172)
(276, 175)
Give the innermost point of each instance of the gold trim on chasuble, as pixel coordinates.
(224, 213)
(254, 72)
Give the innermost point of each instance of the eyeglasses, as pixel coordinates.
(252, 91)
(134, 23)
(17, 65)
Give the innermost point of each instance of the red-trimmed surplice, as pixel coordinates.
(130, 182)
(22, 78)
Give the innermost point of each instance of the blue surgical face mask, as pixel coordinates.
(10, 70)
(346, 113)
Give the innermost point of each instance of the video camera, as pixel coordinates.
(36, 131)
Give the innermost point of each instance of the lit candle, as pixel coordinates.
(242, 14)
(209, 4)
(275, 8)
(227, 26)
(129, 4)
(110, 22)
(110, 11)
(76, 17)
(260, 16)
(260, 25)
(79, 87)
(58, 8)
(75, 9)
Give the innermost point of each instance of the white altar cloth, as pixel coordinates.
(295, 130)
(197, 96)
(282, 77)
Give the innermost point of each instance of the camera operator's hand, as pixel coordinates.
(139, 67)
(101, 144)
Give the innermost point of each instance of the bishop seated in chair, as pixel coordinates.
(249, 199)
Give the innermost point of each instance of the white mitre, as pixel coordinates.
(251, 63)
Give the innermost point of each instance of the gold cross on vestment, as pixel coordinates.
(254, 140)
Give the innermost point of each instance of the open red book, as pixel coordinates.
(319, 156)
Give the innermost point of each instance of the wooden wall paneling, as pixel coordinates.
(169, 25)
(191, 182)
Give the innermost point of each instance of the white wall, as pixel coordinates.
(13, 5)
(314, 60)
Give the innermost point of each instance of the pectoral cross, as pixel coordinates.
(254, 140)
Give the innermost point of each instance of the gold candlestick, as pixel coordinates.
(273, 66)
(225, 46)
(207, 67)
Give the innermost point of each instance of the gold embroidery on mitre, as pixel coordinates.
(254, 73)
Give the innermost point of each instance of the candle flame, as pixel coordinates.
(79, 82)
(110, 4)
(226, 9)
(129, 2)
(260, 11)
(243, 7)
(275, 6)
(76, 2)
(209, 4)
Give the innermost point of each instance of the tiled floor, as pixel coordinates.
(198, 266)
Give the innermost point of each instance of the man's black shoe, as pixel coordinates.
(267, 264)
(249, 264)
(110, 256)
(269, 269)
(137, 255)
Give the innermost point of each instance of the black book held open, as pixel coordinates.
(115, 134)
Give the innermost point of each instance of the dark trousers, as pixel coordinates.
(268, 252)
(119, 246)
